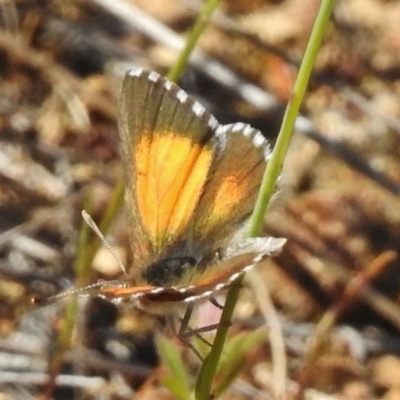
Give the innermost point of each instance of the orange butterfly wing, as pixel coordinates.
(168, 148)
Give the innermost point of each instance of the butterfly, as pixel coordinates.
(191, 184)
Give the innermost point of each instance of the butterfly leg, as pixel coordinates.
(215, 303)
(186, 331)
(179, 333)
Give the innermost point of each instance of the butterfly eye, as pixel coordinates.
(162, 273)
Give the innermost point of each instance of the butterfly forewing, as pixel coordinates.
(168, 148)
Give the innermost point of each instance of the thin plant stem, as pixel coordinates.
(191, 41)
(274, 167)
(209, 367)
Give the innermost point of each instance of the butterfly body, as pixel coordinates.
(164, 272)
(191, 184)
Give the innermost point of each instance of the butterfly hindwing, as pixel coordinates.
(230, 193)
(250, 253)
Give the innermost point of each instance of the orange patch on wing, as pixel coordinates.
(171, 172)
(232, 191)
(126, 291)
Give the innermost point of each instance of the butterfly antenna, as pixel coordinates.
(92, 225)
(73, 292)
